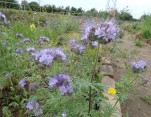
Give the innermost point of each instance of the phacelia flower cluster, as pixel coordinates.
(30, 49)
(62, 82)
(139, 65)
(3, 17)
(22, 83)
(19, 50)
(47, 56)
(43, 39)
(34, 108)
(77, 48)
(25, 40)
(103, 33)
(19, 35)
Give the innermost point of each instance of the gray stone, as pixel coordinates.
(107, 70)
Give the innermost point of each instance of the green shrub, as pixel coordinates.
(138, 43)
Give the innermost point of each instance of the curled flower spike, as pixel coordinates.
(43, 39)
(34, 108)
(30, 49)
(112, 91)
(62, 82)
(139, 65)
(47, 56)
(22, 83)
(25, 40)
(32, 26)
(74, 47)
(19, 35)
(19, 50)
(103, 33)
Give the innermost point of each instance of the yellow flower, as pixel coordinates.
(112, 91)
(32, 26)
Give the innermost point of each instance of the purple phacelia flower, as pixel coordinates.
(19, 35)
(52, 82)
(73, 43)
(34, 108)
(106, 31)
(138, 65)
(3, 17)
(46, 56)
(74, 47)
(30, 49)
(19, 50)
(38, 112)
(103, 33)
(57, 53)
(43, 39)
(22, 83)
(62, 82)
(32, 105)
(94, 43)
(25, 40)
(80, 49)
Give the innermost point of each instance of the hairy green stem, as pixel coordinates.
(91, 80)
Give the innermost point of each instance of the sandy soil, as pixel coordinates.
(134, 106)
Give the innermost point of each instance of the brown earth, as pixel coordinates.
(134, 106)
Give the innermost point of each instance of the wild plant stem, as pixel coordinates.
(133, 80)
(92, 78)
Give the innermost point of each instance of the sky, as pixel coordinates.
(136, 7)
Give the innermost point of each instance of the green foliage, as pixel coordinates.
(34, 6)
(6, 112)
(124, 15)
(124, 86)
(138, 43)
(146, 30)
(9, 4)
(147, 99)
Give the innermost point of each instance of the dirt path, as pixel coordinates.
(134, 106)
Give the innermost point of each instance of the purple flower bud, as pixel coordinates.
(25, 40)
(80, 49)
(30, 49)
(38, 112)
(22, 83)
(32, 105)
(43, 39)
(94, 43)
(46, 56)
(138, 65)
(19, 35)
(73, 43)
(62, 82)
(52, 82)
(19, 50)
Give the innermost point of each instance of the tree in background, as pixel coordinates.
(92, 12)
(9, 4)
(34, 6)
(25, 5)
